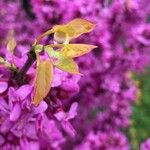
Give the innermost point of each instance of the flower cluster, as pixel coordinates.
(103, 96)
(104, 140)
(145, 145)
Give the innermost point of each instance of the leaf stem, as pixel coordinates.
(43, 35)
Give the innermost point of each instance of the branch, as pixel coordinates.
(28, 9)
(19, 76)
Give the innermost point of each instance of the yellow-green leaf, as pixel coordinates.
(67, 65)
(51, 52)
(38, 47)
(4, 62)
(43, 80)
(63, 33)
(11, 45)
(76, 50)
(75, 28)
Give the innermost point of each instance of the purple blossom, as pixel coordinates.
(145, 145)
(103, 96)
(104, 140)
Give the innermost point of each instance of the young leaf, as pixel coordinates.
(11, 45)
(4, 62)
(67, 65)
(63, 33)
(75, 27)
(43, 80)
(38, 47)
(52, 53)
(76, 50)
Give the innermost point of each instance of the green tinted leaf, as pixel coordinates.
(67, 65)
(38, 48)
(51, 52)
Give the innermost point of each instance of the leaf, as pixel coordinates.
(76, 50)
(43, 80)
(67, 65)
(11, 45)
(75, 27)
(38, 47)
(65, 32)
(4, 62)
(51, 52)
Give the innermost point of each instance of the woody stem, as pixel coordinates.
(19, 76)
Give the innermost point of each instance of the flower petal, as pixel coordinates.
(24, 91)
(61, 115)
(3, 86)
(68, 128)
(15, 114)
(73, 111)
(41, 108)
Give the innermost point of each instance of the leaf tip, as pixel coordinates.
(95, 46)
(89, 24)
(11, 44)
(78, 73)
(34, 103)
(81, 74)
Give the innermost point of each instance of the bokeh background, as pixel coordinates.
(113, 96)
